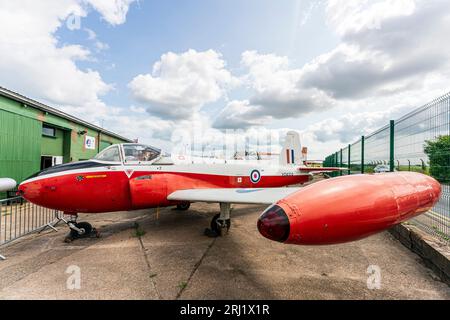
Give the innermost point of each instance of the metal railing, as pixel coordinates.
(19, 218)
(404, 145)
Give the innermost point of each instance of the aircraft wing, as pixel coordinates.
(238, 196)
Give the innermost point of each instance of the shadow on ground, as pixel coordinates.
(142, 257)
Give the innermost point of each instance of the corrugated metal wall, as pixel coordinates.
(20, 145)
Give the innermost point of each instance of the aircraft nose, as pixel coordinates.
(21, 189)
(274, 224)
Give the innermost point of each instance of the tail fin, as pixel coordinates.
(291, 153)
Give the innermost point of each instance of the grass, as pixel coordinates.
(139, 231)
(182, 285)
(440, 233)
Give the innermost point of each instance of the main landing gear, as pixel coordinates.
(79, 229)
(183, 206)
(220, 223)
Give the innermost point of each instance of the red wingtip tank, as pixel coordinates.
(348, 208)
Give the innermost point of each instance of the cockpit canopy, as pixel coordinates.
(139, 152)
(131, 153)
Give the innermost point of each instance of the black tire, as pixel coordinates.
(183, 206)
(215, 227)
(81, 225)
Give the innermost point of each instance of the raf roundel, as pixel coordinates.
(255, 176)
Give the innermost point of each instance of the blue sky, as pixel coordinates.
(332, 70)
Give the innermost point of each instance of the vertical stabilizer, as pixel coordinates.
(292, 150)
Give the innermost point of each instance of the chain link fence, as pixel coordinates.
(419, 142)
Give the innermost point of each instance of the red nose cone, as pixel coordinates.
(21, 190)
(274, 224)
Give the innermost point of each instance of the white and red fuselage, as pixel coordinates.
(94, 186)
(332, 211)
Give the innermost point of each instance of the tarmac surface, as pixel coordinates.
(142, 255)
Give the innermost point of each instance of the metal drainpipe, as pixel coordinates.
(362, 154)
(391, 151)
(98, 141)
(349, 158)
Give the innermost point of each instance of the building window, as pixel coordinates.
(48, 131)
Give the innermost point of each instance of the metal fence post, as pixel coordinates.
(391, 143)
(340, 165)
(362, 154)
(349, 158)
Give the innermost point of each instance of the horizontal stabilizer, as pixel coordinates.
(319, 170)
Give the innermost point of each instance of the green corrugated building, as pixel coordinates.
(34, 136)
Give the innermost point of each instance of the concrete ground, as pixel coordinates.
(140, 256)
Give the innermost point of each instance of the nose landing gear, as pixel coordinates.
(79, 229)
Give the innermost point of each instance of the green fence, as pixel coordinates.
(418, 141)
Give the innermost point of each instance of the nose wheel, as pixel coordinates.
(79, 230)
(220, 223)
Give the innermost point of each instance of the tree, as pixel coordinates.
(438, 152)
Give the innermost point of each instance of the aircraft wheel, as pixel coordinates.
(87, 227)
(183, 206)
(220, 230)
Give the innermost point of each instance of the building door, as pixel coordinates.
(50, 161)
(46, 162)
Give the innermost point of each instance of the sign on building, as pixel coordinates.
(89, 143)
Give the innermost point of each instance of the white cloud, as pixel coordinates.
(354, 16)
(31, 60)
(351, 126)
(238, 114)
(35, 63)
(113, 11)
(276, 93)
(393, 55)
(387, 47)
(180, 84)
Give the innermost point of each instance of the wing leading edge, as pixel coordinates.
(238, 196)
